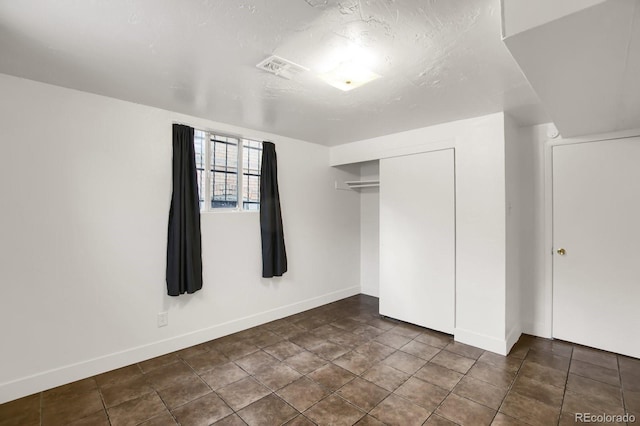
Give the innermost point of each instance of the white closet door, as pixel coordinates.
(417, 239)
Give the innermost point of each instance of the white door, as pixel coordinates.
(596, 220)
(417, 239)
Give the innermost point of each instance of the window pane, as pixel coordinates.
(251, 168)
(199, 146)
(224, 172)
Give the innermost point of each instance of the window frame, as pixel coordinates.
(209, 139)
(248, 172)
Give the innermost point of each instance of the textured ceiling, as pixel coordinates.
(440, 60)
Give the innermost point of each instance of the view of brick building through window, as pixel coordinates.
(224, 164)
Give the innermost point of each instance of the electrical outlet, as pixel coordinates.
(163, 319)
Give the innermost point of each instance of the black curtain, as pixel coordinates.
(274, 255)
(184, 250)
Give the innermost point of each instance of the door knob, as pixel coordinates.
(561, 251)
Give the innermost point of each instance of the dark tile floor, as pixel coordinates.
(341, 364)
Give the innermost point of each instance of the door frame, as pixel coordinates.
(552, 140)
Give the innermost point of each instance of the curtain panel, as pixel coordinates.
(184, 247)
(274, 255)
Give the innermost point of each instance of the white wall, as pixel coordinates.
(480, 215)
(85, 183)
(536, 293)
(520, 180)
(370, 231)
(535, 299)
(480, 235)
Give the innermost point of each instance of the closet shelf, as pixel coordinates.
(355, 184)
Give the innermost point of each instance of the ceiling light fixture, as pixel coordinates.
(349, 75)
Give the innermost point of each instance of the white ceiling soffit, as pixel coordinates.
(440, 60)
(585, 67)
(522, 15)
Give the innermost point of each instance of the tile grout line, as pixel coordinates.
(249, 375)
(40, 407)
(484, 381)
(509, 389)
(333, 392)
(157, 391)
(356, 376)
(305, 375)
(360, 376)
(417, 378)
(154, 390)
(451, 390)
(104, 405)
(330, 391)
(272, 391)
(624, 401)
(564, 390)
(433, 413)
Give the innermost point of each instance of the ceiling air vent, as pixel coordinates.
(281, 67)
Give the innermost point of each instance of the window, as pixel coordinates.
(251, 168)
(224, 164)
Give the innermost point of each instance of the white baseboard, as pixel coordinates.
(69, 373)
(482, 341)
